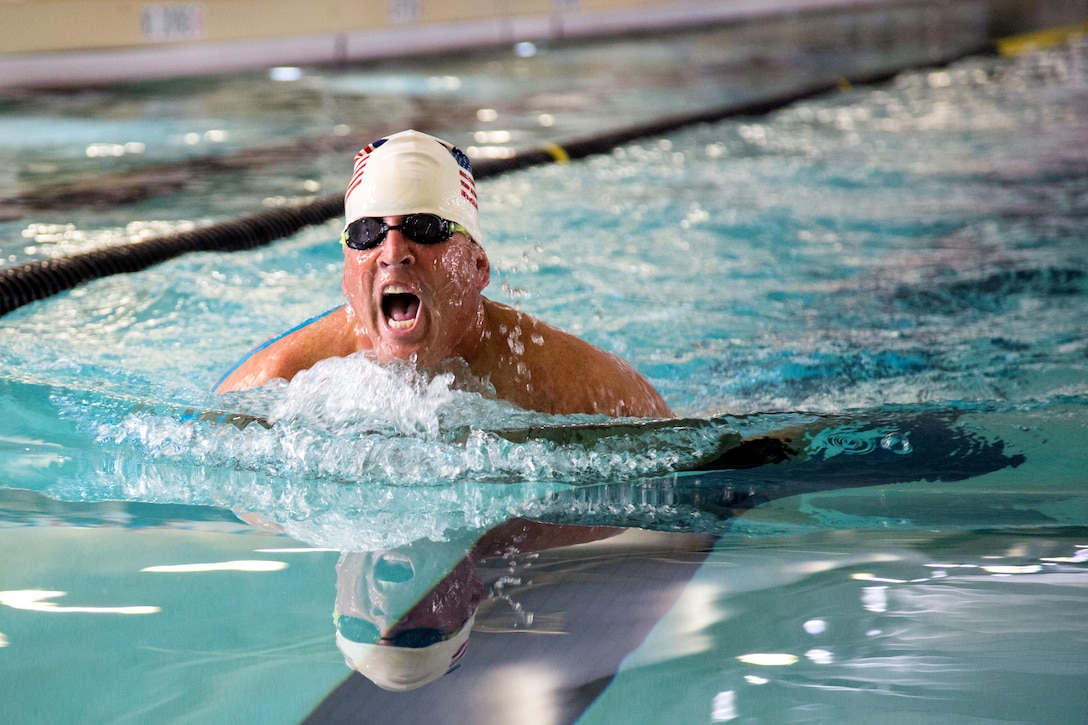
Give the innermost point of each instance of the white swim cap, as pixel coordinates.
(413, 173)
(405, 668)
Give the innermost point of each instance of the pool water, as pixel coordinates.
(896, 273)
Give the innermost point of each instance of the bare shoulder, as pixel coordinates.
(542, 367)
(327, 335)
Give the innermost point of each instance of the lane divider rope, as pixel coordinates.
(41, 279)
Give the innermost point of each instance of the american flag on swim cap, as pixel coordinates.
(468, 188)
(411, 172)
(468, 184)
(455, 661)
(360, 163)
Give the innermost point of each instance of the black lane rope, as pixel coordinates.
(38, 280)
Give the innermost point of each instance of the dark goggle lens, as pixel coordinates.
(358, 630)
(419, 637)
(364, 632)
(370, 232)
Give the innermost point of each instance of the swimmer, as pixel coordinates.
(414, 275)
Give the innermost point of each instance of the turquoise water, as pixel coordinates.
(898, 270)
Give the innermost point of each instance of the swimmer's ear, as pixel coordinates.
(483, 268)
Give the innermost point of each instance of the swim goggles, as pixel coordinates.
(364, 632)
(369, 232)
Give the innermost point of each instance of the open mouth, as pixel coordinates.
(400, 307)
(393, 569)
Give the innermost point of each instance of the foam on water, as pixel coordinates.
(354, 421)
(352, 454)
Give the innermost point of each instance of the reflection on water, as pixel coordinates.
(866, 626)
(552, 623)
(404, 616)
(842, 624)
(549, 587)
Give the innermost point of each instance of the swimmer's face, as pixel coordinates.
(416, 300)
(406, 589)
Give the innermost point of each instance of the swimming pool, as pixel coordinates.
(900, 269)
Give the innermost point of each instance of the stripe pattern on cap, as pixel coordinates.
(360, 163)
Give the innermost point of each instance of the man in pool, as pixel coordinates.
(414, 275)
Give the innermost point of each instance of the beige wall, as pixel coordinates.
(34, 26)
(52, 25)
(46, 26)
(79, 42)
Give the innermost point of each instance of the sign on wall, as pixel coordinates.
(172, 21)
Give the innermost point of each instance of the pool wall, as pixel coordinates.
(46, 43)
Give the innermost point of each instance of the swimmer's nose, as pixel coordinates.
(396, 249)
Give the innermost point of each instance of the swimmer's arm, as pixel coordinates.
(327, 335)
(562, 374)
(525, 535)
(601, 383)
(639, 398)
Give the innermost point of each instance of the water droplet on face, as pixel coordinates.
(514, 293)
